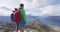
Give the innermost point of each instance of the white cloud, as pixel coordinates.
(47, 8)
(51, 10)
(41, 3)
(5, 12)
(34, 7)
(9, 3)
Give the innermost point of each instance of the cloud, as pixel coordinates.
(44, 3)
(6, 6)
(45, 8)
(51, 10)
(9, 3)
(5, 11)
(40, 3)
(34, 7)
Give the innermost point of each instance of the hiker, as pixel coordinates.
(20, 17)
(23, 22)
(12, 17)
(16, 17)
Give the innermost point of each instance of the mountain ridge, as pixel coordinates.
(30, 19)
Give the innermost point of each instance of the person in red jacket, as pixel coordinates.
(12, 17)
(17, 16)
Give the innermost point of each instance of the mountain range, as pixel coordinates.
(54, 20)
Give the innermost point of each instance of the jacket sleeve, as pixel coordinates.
(24, 15)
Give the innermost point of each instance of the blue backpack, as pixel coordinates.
(12, 18)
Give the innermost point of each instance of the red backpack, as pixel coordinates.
(17, 16)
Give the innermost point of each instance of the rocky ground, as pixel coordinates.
(36, 26)
(54, 28)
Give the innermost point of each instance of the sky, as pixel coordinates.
(32, 7)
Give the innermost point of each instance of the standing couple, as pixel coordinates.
(18, 16)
